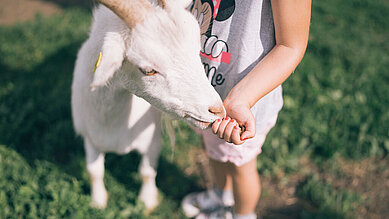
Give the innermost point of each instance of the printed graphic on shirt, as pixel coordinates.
(213, 49)
(214, 77)
(206, 11)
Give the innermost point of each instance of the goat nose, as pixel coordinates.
(218, 110)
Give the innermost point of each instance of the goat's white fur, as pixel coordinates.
(108, 106)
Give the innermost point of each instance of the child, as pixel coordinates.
(249, 48)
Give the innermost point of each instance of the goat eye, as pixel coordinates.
(148, 71)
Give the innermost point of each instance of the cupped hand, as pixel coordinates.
(239, 124)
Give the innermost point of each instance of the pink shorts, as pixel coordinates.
(220, 150)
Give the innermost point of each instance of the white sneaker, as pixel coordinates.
(206, 201)
(220, 213)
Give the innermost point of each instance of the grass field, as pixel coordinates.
(328, 154)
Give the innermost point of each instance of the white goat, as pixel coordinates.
(156, 58)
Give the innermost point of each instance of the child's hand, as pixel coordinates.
(238, 114)
(227, 129)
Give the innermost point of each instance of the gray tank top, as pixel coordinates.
(236, 35)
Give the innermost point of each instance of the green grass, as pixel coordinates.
(336, 101)
(335, 105)
(331, 202)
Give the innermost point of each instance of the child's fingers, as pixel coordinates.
(235, 135)
(249, 132)
(215, 125)
(222, 126)
(228, 130)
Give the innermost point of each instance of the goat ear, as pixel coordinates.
(110, 59)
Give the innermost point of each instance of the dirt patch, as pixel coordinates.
(368, 178)
(14, 11)
(278, 200)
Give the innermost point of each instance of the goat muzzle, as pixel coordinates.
(218, 110)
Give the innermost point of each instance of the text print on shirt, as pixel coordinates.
(213, 49)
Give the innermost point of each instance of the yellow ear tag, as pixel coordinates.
(98, 62)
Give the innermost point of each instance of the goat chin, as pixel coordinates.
(197, 123)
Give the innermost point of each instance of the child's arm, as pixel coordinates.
(291, 22)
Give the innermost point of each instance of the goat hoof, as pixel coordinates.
(150, 198)
(151, 205)
(100, 202)
(98, 205)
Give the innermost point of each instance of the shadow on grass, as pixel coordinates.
(299, 210)
(171, 181)
(36, 122)
(36, 109)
